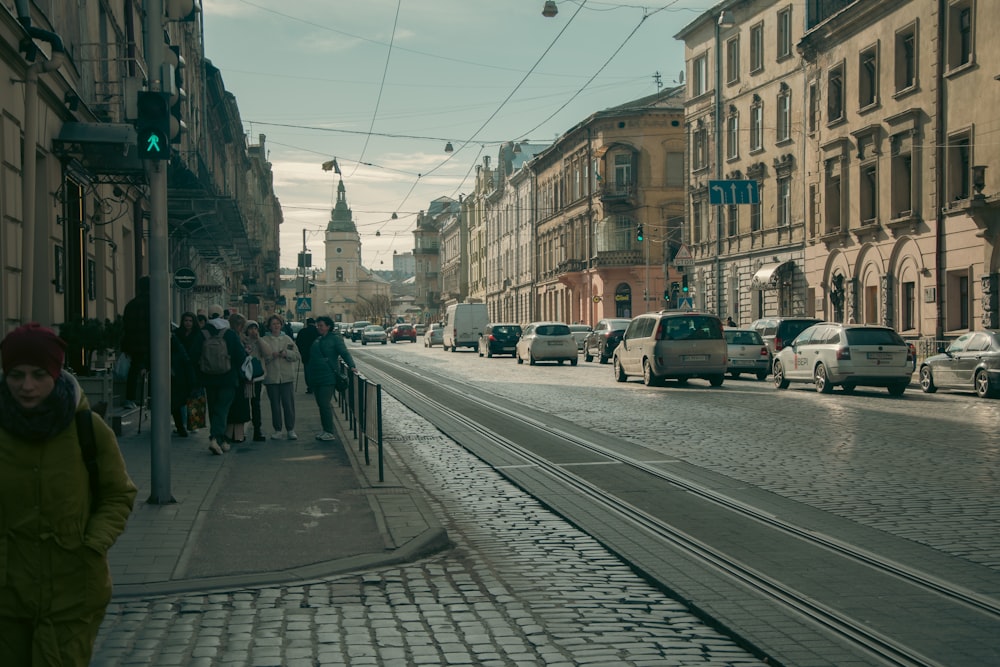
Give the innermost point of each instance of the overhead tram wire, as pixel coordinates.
(381, 88)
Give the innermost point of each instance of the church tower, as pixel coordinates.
(343, 246)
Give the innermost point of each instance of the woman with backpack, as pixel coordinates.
(65, 497)
(222, 355)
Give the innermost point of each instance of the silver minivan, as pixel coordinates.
(672, 345)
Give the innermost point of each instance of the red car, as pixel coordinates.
(403, 332)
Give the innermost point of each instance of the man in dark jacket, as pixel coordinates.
(304, 342)
(135, 339)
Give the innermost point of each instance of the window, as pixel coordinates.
(906, 58)
(959, 166)
(784, 201)
(868, 78)
(756, 125)
(869, 193)
(756, 48)
(959, 34)
(699, 75)
(733, 135)
(813, 119)
(699, 148)
(832, 195)
(623, 172)
(835, 94)
(908, 305)
(697, 219)
(784, 113)
(733, 219)
(963, 302)
(733, 60)
(755, 217)
(784, 33)
(901, 176)
(675, 169)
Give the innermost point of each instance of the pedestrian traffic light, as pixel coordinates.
(684, 284)
(638, 232)
(153, 125)
(178, 95)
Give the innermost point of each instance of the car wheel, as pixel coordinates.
(761, 376)
(603, 359)
(848, 388)
(561, 361)
(573, 362)
(734, 374)
(364, 342)
(778, 375)
(393, 341)
(927, 380)
(531, 358)
(716, 380)
(682, 380)
(489, 353)
(982, 382)
(897, 389)
(518, 357)
(587, 356)
(383, 342)
(648, 377)
(821, 379)
(620, 375)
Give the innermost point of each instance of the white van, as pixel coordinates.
(463, 322)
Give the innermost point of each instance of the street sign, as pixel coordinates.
(683, 257)
(733, 192)
(185, 278)
(303, 304)
(685, 302)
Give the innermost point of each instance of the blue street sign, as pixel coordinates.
(733, 192)
(303, 304)
(685, 302)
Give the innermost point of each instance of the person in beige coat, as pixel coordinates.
(281, 359)
(59, 515)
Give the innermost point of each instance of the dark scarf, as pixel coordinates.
(41, 423)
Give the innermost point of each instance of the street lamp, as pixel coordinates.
(725, 20)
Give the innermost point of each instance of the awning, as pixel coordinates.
(101, 148)
(766, 277)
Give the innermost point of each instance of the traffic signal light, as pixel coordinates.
(178, 95)
(638, 232)
(684, 284)
(153, 125)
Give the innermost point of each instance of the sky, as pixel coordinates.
(383, 85)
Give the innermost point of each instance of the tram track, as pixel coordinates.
(526, 441)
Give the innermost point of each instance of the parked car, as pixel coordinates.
(747, 353)
(672, 345)
(850, 355)
(546, 341)
(602, 341)
(434, 335)
(373, 333)
(403, 332)
(778, 332)
(421, 329)
(355, 331)
(580, 332)
(972, 361)
(499, 338)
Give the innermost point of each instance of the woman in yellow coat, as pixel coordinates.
(54, 534)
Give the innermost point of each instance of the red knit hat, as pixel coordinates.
(35, 345)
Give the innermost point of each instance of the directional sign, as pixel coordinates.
(685, 302)
(683, 257)
(733, 192)
(185, 278)
(303, 304)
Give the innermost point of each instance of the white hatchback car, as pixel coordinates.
(848, 355)
(546, 341)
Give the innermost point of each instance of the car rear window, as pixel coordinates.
(742, 337)
(552, 330)
(507, 330)
(792, 328)
(691, 327)
(873, 337)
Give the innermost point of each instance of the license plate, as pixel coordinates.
(880, 356)
(694, 357)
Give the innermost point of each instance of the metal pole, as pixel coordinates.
(159, 290)
(718, 163)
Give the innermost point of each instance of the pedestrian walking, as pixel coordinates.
(190, 335)
(256, 384)
(304, 342)
(222, 356)
(183, 379)
(323, 369)
(135, 340)
(280, 356)
(65, 497)
(239, 409)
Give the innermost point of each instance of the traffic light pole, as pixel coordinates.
(159, 287)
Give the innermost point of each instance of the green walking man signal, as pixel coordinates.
(153, 125)
(638, 232)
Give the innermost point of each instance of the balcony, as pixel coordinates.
(618, 194)
(571, 266)
(619, 258)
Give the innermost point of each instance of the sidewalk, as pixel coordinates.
(265, 513)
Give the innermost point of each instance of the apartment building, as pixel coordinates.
(609, 202)
(744, 122)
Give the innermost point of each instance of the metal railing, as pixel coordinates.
(361, 404)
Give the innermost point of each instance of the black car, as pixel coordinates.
(499, 338)
(602, 341)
